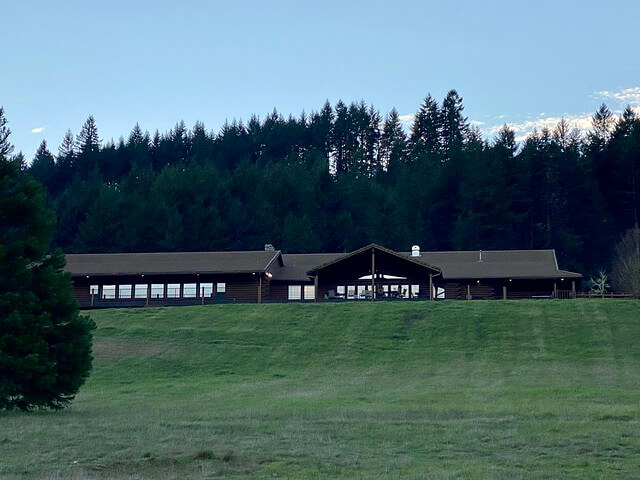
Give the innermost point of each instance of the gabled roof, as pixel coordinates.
(296, 265)
(529, 264)
(365, 249)
(170, 262)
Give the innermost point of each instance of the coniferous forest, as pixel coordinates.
(343, 176)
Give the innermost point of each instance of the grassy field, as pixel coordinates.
(500, 390)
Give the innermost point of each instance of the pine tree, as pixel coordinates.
(393, 144)
(87, 147)
(427, 125)
(454, 125)
(43, 167)
(5, 147)
(45, 345)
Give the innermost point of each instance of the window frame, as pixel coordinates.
(294, 296)
(189, 290)
(173, 290)
(205, 290)
(137, 288)
(154, 286)
(112, 289)
(309, 288)
(124, 287)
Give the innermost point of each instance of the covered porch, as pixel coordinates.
(374, 273)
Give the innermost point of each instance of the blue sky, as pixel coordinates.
(526, 63)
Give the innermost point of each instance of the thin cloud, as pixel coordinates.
(625, 96)
(523, 129)
(37, 130)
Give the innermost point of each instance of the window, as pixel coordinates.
(141, 290)
(341, 290)
(157, 290)
(108, 292)
(351, 292)
(415, 291)
(206, 289)
(94, 290)
(295, 292)
(404, 293)
(189, 290)
(221, 287)
(440, 293)
(124, 291)
(173, 290)
(309, 292)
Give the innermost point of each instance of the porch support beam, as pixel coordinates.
(373, 274)
(431, 286)
(316, 294)
(259, 287)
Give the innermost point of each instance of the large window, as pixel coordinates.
(141, 290)
(351, 292)
(108, 292)
(173, 290)
(157, 290)
(124, 291)
(206, 289)
(341, 291)
(309, 292)
(221, 287)
(295, 292)
(189, 290)
(415, 291)
(94, 290)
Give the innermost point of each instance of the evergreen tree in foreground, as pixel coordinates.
(45, 345)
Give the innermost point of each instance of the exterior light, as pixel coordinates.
(269, 274)
(562, 279)
(511, 280)
(478, 281)
(87, 276)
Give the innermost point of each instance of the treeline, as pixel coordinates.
(344, 176)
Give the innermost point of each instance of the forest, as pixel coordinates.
(346, 175)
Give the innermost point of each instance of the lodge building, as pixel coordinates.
(370, 273)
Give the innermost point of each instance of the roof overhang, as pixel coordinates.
(373, 248)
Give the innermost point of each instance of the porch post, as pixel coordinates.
(259, 287)
(468, 291)
(573, 289)
(148, 293)
(373, 274)
(316, 289)
(555, 289)
(504, 292)
(430, 286)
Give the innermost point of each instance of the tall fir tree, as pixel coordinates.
(45, 345)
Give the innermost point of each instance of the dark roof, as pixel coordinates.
(496, 264)
(296, 265)
(169, 262)
(422, 263)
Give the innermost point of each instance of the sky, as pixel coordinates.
(527, 64)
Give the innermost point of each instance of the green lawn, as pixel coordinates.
(500, 390)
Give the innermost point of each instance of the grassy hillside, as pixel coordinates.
(502, 390)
